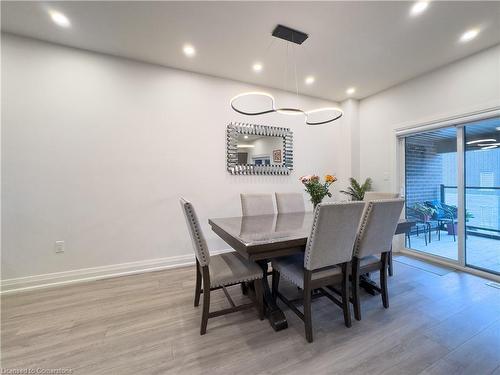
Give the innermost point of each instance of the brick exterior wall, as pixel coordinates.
(424, 172)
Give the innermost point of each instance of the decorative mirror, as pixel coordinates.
(259, 149)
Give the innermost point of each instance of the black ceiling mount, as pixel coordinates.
(289, 34)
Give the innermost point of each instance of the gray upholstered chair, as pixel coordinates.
(326, 260)
(378, 195)
(257, 204)
(219, 271)
(376, 231)
(290, 203)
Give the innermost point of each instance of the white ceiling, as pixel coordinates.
(370, 45)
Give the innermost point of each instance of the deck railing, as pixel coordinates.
(492, 231)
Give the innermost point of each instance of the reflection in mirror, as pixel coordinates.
(260, 150)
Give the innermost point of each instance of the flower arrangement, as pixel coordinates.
(316, 189)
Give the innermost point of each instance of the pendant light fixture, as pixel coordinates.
(260, 103)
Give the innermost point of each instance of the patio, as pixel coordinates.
(481, 252)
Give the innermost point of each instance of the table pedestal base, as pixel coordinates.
(276, 317)
(368, 284)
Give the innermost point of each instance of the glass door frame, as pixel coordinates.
(459, 123)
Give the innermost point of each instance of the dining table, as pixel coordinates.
(265, 237)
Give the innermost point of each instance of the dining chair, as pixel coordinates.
(378, 195)
(376, 231)
(257, 204)
(326, 260)
(219, 272)
(290, 203)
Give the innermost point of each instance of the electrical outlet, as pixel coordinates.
(60, 247)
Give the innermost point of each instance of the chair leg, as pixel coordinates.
(206, 301)
(345, 294)
(391, 272)
(275, 284)
(244, 288)
(383, 280)
(307, 315)
(197, 290)
(355, 288)
(259, 297)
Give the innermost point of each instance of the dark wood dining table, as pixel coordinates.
(262, 238)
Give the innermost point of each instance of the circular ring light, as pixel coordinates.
(332, 113)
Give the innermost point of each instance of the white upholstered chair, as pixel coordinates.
(374, 239)
(219, 271)
(290, 203)
(379, 195)
(326, 259)
(257, 204)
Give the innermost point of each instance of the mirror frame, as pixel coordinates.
(235, 128)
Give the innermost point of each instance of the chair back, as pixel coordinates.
(378, 226)
(377, 195)
(290, 202)
(197, 237)
(333, 234)
(257, 204)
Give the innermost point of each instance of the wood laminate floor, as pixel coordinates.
(146, 324)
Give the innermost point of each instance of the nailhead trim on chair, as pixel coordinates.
(310, 241)
(363, 227)
(234, 281)
(203, 251)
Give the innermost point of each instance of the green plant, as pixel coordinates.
(452, 212)
(468, 215)
(424, 209)
(357, 191)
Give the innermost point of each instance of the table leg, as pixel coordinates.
(368, 284)
(276, 317)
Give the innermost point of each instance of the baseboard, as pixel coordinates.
(28, 283)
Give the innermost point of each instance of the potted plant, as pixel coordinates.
(317, 190)
(452, 212)
(425, 211)
(357, 191)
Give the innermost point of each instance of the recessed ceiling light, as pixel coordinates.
(488, 144)
(189, 50)
(309, 80)
(488, 147)
(481, 141)
(469, 35)
(246, 136)
(59, 18)
(418, 8)
(350, 90)
(257, 67)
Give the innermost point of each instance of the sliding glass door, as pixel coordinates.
(482, 195)
(452, 190)
(431, 192)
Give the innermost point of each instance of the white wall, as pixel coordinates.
(467, 85)
(97, 150)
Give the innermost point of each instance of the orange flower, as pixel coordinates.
(330, 179)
